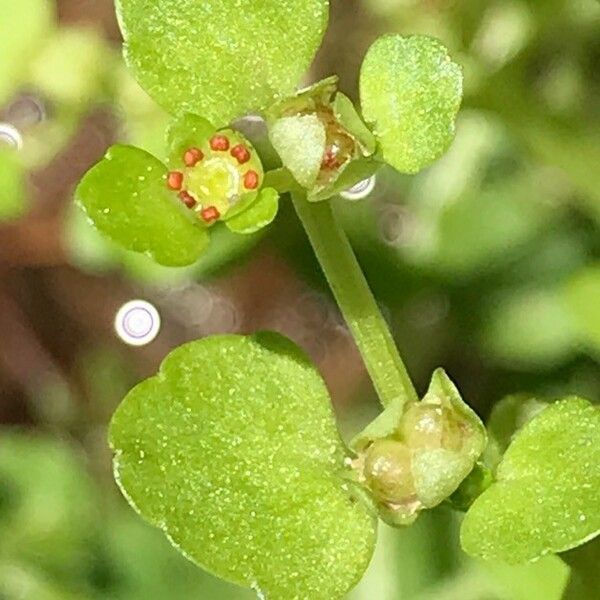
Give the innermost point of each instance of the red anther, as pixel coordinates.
(187, 199)
(219, 143)
(175, 180)
(251, 180)
(240, 153)
(210, 214)
(330, 160)
(192, 157)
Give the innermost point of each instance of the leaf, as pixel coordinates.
(508, 416)
(300, 143)
(410, 92)
(220, 59)
(126, 199)
(72, 66)
(546, 498)
(233, 452)
(25, 26)
(581, 295)
(260, 214)
(48, 505)
(12, 186)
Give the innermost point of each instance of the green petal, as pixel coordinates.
(220, 59)
(260, 214)
(126, 198)
(546, 498)
(346, 114)
(187, 131)
(300, 142)
(410, 93)
(232, 450)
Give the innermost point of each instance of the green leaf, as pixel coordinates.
(25, 26)
(127, 200)
(546, 495)
(72, 66)
(260, 214)
(232, 450)
(300, 142)
(12, 186)
(48, 505)
(410, 92)
(220, 59)
(581, 295)
(508, 416)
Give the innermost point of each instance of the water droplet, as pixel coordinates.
(11, 136)
(360, 190)
(137, 323)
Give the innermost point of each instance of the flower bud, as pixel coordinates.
(429, 426)
(388, 471)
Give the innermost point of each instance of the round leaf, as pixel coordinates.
(410, 92)
(260, 214)
(220, 59)
(126, 198)
(547, 495)
(233, 451)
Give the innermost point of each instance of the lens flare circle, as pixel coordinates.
(137, 323)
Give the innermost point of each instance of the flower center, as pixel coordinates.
(216, 176)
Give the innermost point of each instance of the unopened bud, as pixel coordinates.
(388, 471)
(427, 426)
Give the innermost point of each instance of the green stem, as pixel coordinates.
(358, 306)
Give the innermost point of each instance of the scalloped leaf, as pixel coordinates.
(232, 450)
(258, 215)
(300, 142)
(220, 59)
(410, 93)
(547, 494)
(125, 197)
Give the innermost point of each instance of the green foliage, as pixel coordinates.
(24, 26)
(232, 450)
(410, 92)
(581, 295)
(545, 498)
(12, 189)
(126, 199)
(220, 59)
(47, 513)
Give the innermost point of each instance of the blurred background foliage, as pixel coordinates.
(487, 263)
